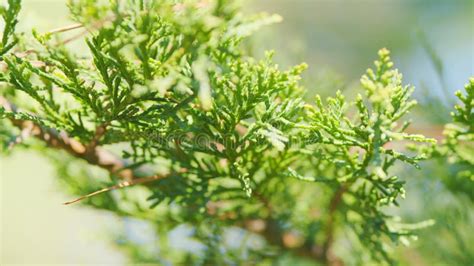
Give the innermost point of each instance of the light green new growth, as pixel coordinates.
(457, 147)
(354, 151)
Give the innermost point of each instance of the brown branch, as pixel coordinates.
(99, 133)
(275, 235)
(330, 225)
(60, 140)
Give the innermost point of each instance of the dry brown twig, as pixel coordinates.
(66, 28)
(118, 186)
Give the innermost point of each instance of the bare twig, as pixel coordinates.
(66, 28)
(119, 186)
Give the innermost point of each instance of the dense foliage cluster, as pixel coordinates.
(166, 112)
(458, 145)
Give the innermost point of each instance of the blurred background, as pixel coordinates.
(432, 43)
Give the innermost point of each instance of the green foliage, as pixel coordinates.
(9, 15)
(165, 90)
(354, 150)
(457, 148)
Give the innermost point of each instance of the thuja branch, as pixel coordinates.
(168, 85)
(59, 140)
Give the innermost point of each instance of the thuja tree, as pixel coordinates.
(164, 117)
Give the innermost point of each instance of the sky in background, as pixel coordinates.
(344, 36)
